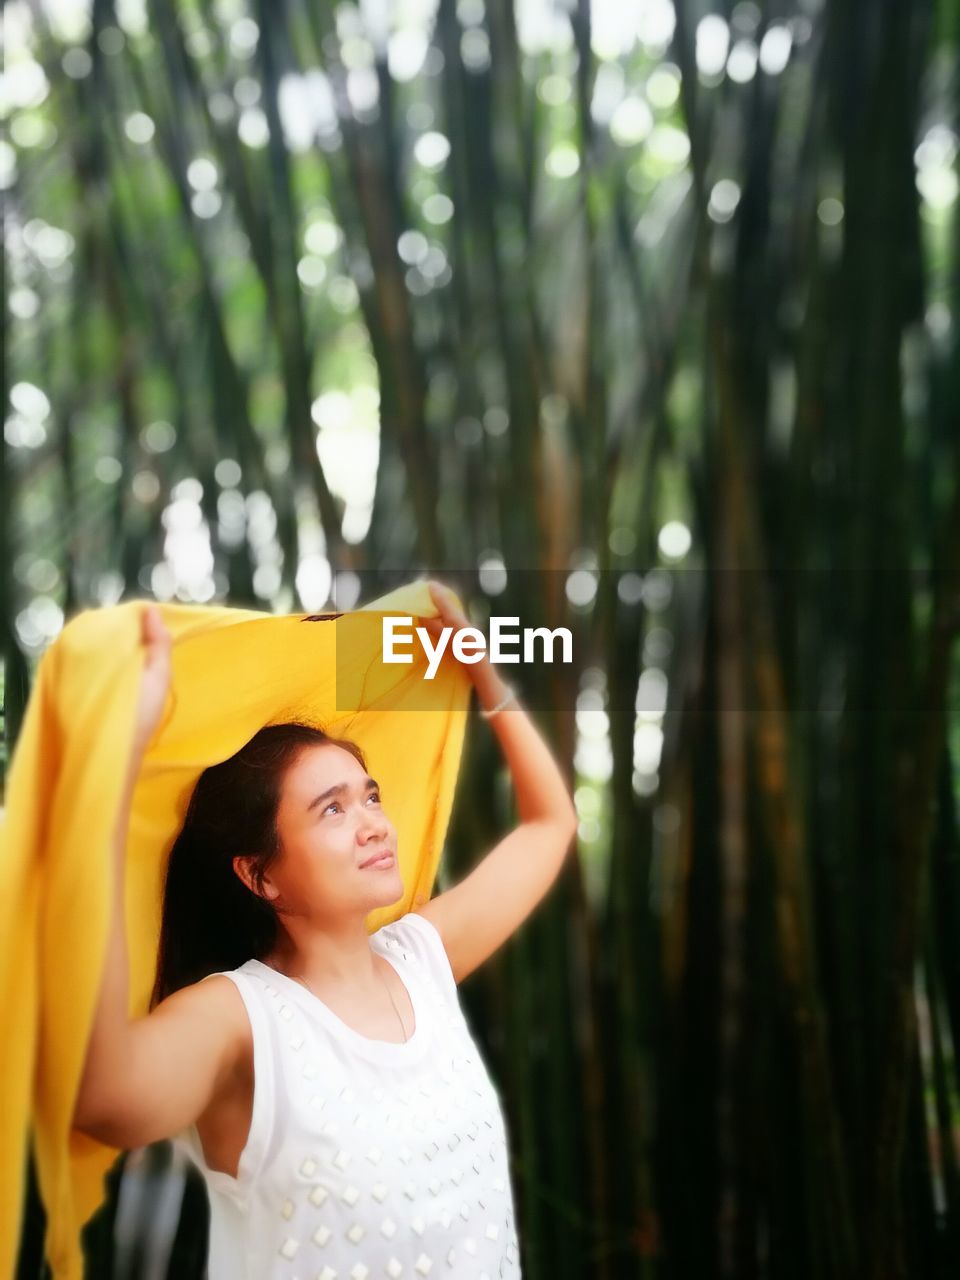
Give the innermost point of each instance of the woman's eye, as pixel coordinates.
(374, 795)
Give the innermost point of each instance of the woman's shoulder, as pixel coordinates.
(220, 997)
(208, 1019)
(413, 935)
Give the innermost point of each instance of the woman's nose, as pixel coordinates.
(374, 824)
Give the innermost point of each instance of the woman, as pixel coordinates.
(323, 1078)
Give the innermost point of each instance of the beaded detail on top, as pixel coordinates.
(366, 1158)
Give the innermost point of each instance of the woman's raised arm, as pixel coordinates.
(147, 1078)
(478, 914)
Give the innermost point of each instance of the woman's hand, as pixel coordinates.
(489, 686)
(450, 613)
(155, 681)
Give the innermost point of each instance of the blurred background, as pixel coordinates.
(658, 301)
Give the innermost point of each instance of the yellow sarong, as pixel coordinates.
(233, 671)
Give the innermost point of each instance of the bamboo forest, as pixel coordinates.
(643, 316)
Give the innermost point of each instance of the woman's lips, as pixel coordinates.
(384, 860)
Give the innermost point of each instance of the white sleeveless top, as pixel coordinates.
(366, 1159)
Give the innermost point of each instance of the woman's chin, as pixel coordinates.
(388, 886)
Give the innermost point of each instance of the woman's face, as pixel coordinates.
(331, 820)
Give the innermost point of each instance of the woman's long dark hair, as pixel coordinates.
(211, 921)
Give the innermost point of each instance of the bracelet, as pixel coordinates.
(492, 711)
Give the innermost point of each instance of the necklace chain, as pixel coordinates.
(389, 993)
(395, 1009)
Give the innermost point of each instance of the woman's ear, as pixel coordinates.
(243, 865)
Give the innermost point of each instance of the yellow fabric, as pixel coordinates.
(233, 671)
